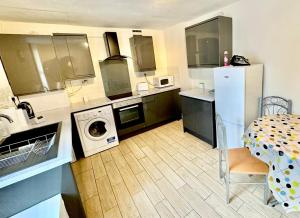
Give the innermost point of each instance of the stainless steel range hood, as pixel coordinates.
(112, 46)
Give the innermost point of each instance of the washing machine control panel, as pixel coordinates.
(94, 113)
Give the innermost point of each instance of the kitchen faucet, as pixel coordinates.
(203, 86)
(7, 117)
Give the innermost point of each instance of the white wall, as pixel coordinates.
(265, 31)
(94, 89)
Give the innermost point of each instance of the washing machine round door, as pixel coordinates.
(97, 129)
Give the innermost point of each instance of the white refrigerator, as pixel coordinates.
(237, 94)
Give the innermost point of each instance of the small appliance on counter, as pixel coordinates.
(142, 86)
(163, 81)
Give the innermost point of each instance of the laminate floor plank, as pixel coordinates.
(106, 195)
(176, 200)
(133, 163)
(125, 202)
(164, 172)
(151, 169)
(150, 188)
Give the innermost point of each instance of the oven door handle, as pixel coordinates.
(130, 107)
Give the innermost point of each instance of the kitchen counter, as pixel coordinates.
(198, 93)
(93, 103)
(64, 148)
(65, 141)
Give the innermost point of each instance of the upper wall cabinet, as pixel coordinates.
(74, 56)
(142, 53)
(30, 63)
(207, 41)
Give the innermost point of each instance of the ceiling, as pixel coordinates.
(108, 13)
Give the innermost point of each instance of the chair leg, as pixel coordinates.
(266, 191)
(227, 188)
(221, 174)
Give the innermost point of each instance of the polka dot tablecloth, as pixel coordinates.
(275, 139)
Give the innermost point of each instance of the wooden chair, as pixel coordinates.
(274, 105)
(238, 161)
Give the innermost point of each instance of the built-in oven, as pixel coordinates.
(129, 115)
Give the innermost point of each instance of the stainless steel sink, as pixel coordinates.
(27, 148)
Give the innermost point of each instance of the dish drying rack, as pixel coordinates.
(20, 151)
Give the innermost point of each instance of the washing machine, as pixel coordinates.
(97, 130)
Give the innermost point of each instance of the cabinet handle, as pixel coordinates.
(130, 107)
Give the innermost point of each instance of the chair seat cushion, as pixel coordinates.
(241, 161)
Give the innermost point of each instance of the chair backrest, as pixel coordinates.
(221, 138)
(275, 105)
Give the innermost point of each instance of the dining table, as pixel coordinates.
(275, 139)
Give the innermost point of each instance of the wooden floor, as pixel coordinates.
(163, 173)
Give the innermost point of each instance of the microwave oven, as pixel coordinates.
(163, 81)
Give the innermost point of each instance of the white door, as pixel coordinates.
(235, 134)
(229, 93)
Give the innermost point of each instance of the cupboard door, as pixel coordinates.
(191, 48)
(198, 117)
(167, 106)
(62, 54)
(30, 63)
(161, 107)
(143, 53)
(43, 50)
(23, 77)
(80, 56)
(150, 109)
(202, 42)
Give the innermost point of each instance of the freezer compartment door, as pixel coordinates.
(234, 134)
(230, 94)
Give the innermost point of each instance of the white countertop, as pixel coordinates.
(198, 93)
(64, 154)
(92, 103)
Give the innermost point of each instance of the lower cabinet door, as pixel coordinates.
(166, 107)
(198, 117)
(161, 107)
(149, 104)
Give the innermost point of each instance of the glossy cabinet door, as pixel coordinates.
(30, 63)
(167, 105)
(62, 54)
(150, 110)
(207, 41)
(143, 53)
(80, 56)
(74, 56)
(199, 118)
(202, 44)
(161, 107)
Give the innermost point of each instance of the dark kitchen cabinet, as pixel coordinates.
(74, 56)
(142, 51)
(199, 118)
(30, 63)
(161, 107)
(150, 110)
(207, 41)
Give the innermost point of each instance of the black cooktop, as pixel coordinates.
(124, 95)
